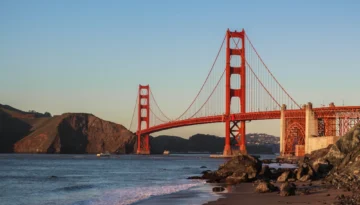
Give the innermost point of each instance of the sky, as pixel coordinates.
(90, 56)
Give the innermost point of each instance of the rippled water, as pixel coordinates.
(120, 179)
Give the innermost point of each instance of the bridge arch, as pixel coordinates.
(295, 135)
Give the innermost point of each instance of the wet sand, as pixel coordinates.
(245, 194)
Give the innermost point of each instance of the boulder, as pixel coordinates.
(322, 169)
(304, 169)
(287, 189)
(305, 178)
(286, 176)
(265, 172)
(212, 177)
(218, 189)
(236, 179)
(241, 168)
(265, 187)
(206, 172)
(239, 165)
(195, 177)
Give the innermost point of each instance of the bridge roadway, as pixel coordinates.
(321, 112)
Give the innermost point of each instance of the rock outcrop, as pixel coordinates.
(241, 168)
(286, 176)
(287, 189)
(265, 187)
(339, 154)
(340, 163)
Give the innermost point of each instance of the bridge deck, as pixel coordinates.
(298, 113)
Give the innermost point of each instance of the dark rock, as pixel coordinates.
(238, 169)
(212, 177)
(305, 192)
(214, 180)
(265, 172)
(195, 177)
(218, 189)
(291, 180)
(203, 167)
(305, 178)
(287, 189)
(304, 169)
(206, 172)
(239, 165)
(237, 179)
(285, 176)
(53, 177)
(264, 187)
(322, 168)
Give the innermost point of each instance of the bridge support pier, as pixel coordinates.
(143, 146)
(282, 129)
(227, 147)
(237, 129)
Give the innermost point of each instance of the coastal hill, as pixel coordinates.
(32, 132)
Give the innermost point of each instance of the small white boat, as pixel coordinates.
(106, 154)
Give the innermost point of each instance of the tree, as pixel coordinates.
(47, 114)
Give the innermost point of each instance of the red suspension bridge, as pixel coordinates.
(239, 87)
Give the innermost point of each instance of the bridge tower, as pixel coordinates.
(232, 127)
(143, 116)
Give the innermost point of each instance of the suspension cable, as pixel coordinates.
(271, 72)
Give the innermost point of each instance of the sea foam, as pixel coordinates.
(131, 195)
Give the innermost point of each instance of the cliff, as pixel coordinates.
(70, 133)
(12, 129)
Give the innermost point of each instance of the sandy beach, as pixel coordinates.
(245, 194)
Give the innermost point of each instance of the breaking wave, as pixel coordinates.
(131, 195)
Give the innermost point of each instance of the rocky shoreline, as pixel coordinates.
(333, 168)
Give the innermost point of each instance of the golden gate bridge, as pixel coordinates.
(240, 87)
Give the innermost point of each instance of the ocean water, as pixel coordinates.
(120, 179)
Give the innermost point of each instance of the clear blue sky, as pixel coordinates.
(90, 56)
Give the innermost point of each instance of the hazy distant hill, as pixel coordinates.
(212, 144)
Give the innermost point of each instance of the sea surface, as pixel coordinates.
(39, 179)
